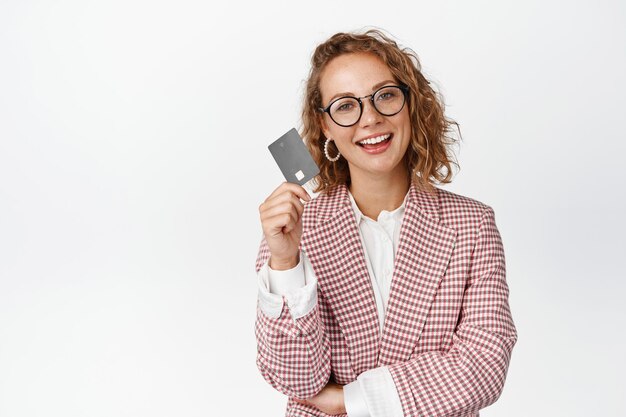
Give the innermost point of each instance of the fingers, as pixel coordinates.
(282, 210)
(279, 222)
(296, 189)
(282, 203)
(305, 402)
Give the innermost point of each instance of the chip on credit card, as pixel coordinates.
(293, 158)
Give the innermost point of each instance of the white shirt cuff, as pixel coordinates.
(353, 400)
(282, 282)
(298, 286)
(376, 389)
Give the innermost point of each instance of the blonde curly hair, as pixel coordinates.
(428, 157)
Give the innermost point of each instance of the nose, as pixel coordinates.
(370, 115)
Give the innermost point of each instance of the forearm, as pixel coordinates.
(462, 380)
(293, 355)
(293, 350)
(471, 374)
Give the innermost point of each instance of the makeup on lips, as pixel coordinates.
(376, 144)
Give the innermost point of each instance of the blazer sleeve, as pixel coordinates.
(471, 374)
(293, 354)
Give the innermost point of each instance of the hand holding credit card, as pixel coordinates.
(281, 212)
(293, 158)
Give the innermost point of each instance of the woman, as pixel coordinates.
(384, 295)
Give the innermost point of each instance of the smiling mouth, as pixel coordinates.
(375, 142)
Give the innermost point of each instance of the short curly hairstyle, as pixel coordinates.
(428, 158)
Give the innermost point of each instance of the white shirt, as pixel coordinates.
(374, 393)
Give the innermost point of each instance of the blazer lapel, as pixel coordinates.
(424, 251)
(333, 245)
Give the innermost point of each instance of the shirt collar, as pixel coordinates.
(395, 214)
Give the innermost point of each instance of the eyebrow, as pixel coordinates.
(374, 88)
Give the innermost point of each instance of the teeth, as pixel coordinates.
(373, 141)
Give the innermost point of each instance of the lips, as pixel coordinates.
(377, 144)
(376, 140)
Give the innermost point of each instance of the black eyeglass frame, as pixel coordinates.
(405, 90)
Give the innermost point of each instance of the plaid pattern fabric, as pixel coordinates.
(448, 332)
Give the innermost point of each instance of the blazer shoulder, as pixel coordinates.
(457, 208)
(448, 198)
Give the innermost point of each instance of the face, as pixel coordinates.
(358, 75)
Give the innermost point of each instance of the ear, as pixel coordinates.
(324, 125)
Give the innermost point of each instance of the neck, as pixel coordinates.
(375, 194)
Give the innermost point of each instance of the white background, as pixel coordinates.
(133, 159)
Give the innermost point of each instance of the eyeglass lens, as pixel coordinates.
(387, 101)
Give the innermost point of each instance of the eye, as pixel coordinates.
(387, 94)
(344, 105)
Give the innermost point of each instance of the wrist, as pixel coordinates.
(278, 264)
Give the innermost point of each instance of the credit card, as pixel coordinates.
(293, 158)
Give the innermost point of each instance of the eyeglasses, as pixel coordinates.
(347, 111)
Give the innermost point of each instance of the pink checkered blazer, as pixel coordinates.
(448, 332)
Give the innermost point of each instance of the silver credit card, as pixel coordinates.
(293, 158)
